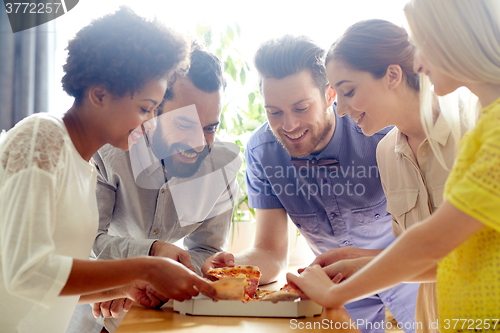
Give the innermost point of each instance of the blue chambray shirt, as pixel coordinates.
(332, 208)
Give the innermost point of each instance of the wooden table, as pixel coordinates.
(143, 320)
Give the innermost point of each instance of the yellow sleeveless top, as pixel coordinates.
(468, 279)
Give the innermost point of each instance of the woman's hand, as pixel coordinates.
(346, 268)
(316, 285)
(171, 279)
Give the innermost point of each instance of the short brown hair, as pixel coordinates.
(288, 55)
(205, 71)
(372, 46)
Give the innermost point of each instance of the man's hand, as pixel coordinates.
(166, 250)
(346, 267)
(141, 293)
(218, 260)
(112, 308)
(334, 255)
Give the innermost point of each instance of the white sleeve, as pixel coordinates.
(30, 162)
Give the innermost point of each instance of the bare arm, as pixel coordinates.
(427, 277)
(270, 249)
(102, 295)
(349, 267)
(410, 256)
(343, 253)
(94, 277)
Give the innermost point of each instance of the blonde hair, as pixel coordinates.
(462, 38)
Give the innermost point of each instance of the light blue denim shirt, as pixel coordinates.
(332, 208)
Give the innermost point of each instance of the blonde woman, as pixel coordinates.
(463, 236)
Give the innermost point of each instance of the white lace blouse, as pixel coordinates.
(48, 216)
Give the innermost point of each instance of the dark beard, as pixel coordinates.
(165, 153)
(324, 133)
(176, 168)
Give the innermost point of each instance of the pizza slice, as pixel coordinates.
(287, 288)
(250, 273)
(280, 296)
(230, 288)
(285, 294)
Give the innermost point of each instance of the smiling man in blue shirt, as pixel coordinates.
(321, 171)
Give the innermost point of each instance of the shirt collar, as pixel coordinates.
(439, 133)
(402, 146)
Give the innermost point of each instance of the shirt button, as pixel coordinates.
(162, 190)
(389, 299)
(333, 215)
(155, 231)
(298, 226)
(346, 242)
(377, 216)
(424, 153)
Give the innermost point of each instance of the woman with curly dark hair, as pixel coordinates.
(117, 70)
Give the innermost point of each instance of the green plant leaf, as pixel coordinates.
(251, 98)
(238, 29)
(243, 76)
(230, 33)
(231, 68)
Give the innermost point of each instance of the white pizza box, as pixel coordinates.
(205, 306)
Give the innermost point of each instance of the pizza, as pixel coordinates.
(280, 296)
(287, 288)
(230, 288)
(241, 282)
(250, 273)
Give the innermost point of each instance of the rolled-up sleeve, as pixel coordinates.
(208, 239)
(259, 189)
(106, 246)
(213, 234)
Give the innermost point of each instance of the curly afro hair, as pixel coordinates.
(121, 52)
